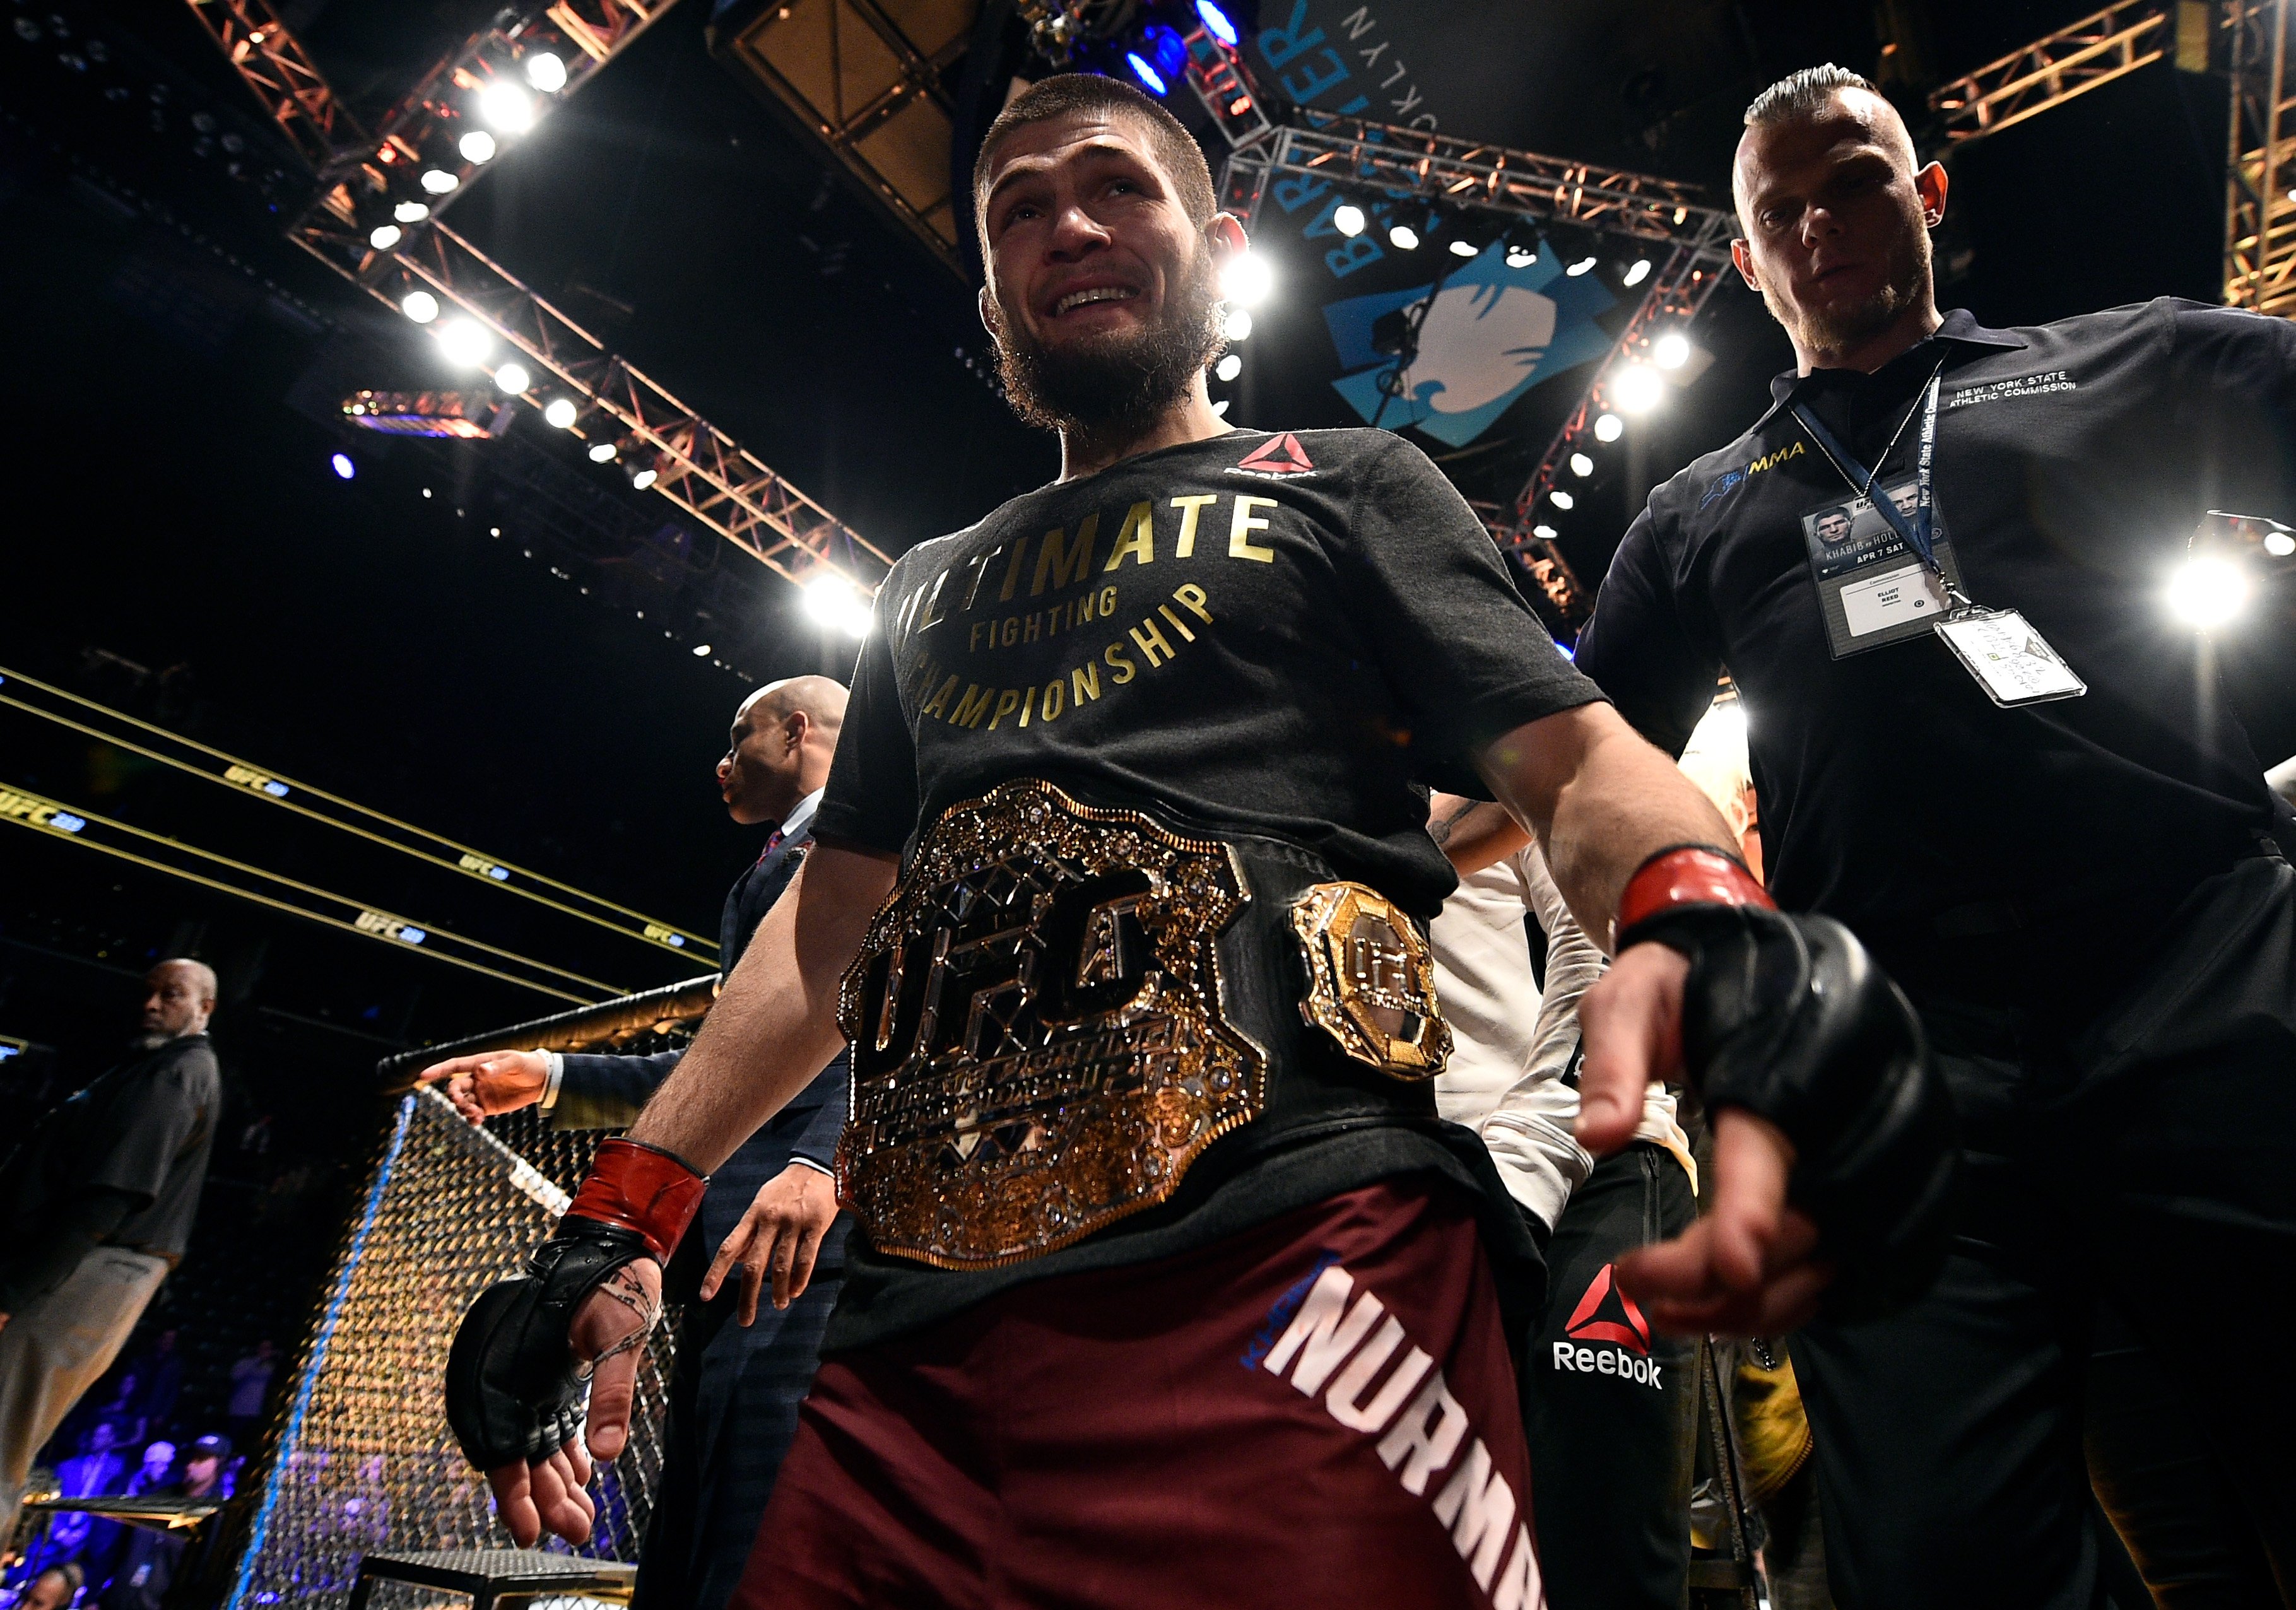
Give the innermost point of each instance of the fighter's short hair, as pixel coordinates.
(1803, 93)
(1058, 96)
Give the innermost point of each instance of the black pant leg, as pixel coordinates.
(1608, 1408)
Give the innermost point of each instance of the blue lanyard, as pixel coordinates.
(1916, 533)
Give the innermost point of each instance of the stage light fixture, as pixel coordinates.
(701, 651)
(1228, 367)
(385, 236)
(546, 72)
(420, 305)
(1582, 266)
(1637, 388)
(830, 599)
(1581, 465)
(1150, 79)
(1609, 427)
(2280, 544)
(1637, 273)
(561, 413)
(2208, 591)
(1545, 532)
(603, 453)
(1159, 60)
(342, 465)
(503, 105)
(1247, 280)
(410, 212)
(1216, 23)
(1562, 500)
(1464, 249)
(477, 146)
(1403, 238)
(512, 379)
(437, 181)
(642, 476)
(1348, 219)
(1521, 257)
(1238, 327)
(466, 342)
(1670, 350)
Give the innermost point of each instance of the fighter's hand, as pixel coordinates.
(608, 1337)
(490, 1081)
(1748, 1266)
(781, 1232)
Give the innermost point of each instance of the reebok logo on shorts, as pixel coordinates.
(1606, 1314)
(1279, 455)
(1336, 1343)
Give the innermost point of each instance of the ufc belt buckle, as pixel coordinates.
(1037, 1043)
(1370, 980)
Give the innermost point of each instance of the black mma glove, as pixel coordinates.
(1789, 1018)
(513, 1389)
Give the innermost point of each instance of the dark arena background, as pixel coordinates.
(410, 405)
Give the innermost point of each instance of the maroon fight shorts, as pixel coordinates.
(1319, 1412)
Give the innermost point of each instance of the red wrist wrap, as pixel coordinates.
(640, 1187)
(1687, 877)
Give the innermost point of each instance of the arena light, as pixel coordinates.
(1403, 238)
(1637, 273)
(437, 181)
(1670, 350)
(603, 453)
(420, 305)
(546, 72)
(1637, 388)
(1609, 427)
(503, 105)
(411, 212)
(1581, 465)
(466, 342)
(1238, 327)
(831, 600)
(560, 412)
(1150, 78)
(701, 651)
(1159, 60)
(1465, 249)
(512, 379)
(1521, 257)
(1348, 219)
(1215, 21)
(1583, 265)
(477, 146)
(1545, 532)
(1228, 367)
(1247, 280)
(1562, 500)
(643, 476)
(343, 466)
(2280, 544)
(385, 236)
(2208, 591)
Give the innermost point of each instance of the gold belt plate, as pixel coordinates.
(1038, 1048)
(1370, 980)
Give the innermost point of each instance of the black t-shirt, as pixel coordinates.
(2025, 855)
(1285, 635)
(143, 1129)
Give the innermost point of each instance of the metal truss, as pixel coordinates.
(283, 76)
(698, 467)
(1223, 85)
(2052, 70)
(2261, 209)
(1379, 158)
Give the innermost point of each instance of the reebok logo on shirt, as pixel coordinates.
(1279, 455)
(1607, 1315)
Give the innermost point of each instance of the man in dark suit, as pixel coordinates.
(770, 1212)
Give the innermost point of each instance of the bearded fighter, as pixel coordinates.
(1170, 1286)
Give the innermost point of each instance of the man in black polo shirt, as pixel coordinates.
(2051, 829)
(1168, 1288)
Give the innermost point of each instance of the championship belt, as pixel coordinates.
(1045, 1036)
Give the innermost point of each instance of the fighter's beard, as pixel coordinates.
(1119, 385)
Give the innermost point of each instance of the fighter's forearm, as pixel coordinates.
(1601, 801)
(775, 1024)
(1472, 833)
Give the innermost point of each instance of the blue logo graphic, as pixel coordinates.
(1492, 334)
